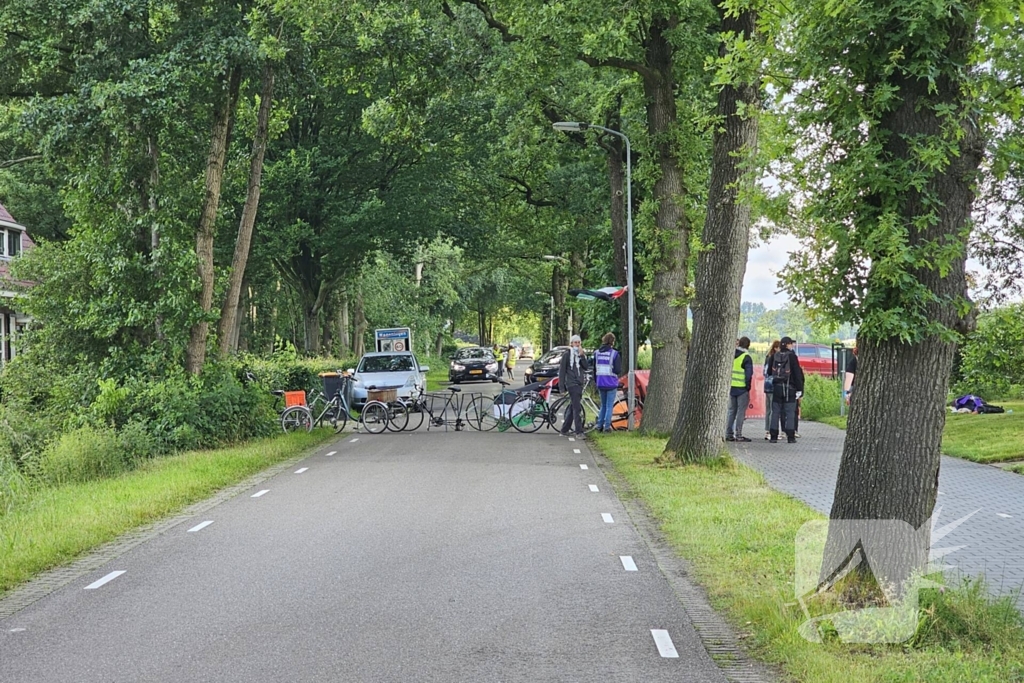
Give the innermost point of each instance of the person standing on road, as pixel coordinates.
(500, 357)
(572, 376)
(608, 367)
(851, 372)
(739, 391)
(510, 361)
(768, 392)
(787, 387)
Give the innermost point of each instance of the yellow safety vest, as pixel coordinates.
(498, 356)
(511, 356)
(739, 377)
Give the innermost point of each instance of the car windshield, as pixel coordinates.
(386, 364)
(471, 354)
(552, 356)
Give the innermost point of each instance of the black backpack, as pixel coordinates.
(781, 368)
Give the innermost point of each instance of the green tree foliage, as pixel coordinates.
(991, 360)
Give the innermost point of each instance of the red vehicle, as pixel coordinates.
(816, 359)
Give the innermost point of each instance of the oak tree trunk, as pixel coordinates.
(617, 182)
(669, 334)
(697, 434)
(229, 311)
(359, 328)
(890, 464)
(196, 352)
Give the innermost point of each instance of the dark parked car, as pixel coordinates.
(473, 363)
(545, 367)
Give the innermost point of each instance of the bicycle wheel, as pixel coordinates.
(340, 418)
(529, 413)
(374, 417)
(398, 416)
(415, 412)
(480, 414)
(620, 415)
(296, 418)
(590, 413)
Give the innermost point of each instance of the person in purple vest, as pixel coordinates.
(608, 367)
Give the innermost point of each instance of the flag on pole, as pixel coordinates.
(604, 294)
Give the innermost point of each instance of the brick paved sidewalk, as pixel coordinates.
(993, 538)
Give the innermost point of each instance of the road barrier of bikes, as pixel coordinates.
(524, 410)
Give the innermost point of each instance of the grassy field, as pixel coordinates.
(739, 536)
(980, 438)
(53, 526)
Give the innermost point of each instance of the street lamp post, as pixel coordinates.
(551, 319)
(576, 127)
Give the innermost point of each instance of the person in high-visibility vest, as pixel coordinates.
(739, 391)
(500, 357)
(510, 361)
(608, 367)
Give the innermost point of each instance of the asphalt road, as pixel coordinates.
(394, 557)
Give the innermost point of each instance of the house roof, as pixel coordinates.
(5, 215)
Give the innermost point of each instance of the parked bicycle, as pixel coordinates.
(534, 409)
(443, 410)
(486, 413)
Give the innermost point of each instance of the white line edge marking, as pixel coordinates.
(1000, 514)
(583, 467)
(607, 517)
(17, 630)
(301, 470)
(664, 642)
(332, 453)
(593, 487)
(105, 580)
(576, 450)
(200, 527)
(354, 440)
(627, 563)
(260, 493)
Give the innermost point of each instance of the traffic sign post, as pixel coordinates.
(393, 339)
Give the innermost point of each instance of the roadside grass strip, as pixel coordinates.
(739, 537)
(53, 526)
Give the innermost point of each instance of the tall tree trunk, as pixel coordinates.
(669, 334)
(890, 464)
(229, 311)
(310, 329)
(697, 434)
(559, 288)
(196, 352)
(154, 228)
(481, 329)
(575, 280)
(359, 328)
(344, 345)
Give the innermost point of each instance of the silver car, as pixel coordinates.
(387, 370)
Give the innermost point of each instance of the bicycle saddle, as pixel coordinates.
(455, 390)
(278, 392)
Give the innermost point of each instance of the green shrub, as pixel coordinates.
(81, 455)
(991, 360)
(13, 484)
(643, 358)
(821, 397)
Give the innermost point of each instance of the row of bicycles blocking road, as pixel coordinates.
(522, 410)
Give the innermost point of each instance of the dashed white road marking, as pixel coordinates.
(301, 470)
(941, 493)
(575, 450)
(1000, 514)
(607, 517)
(200, 527)
(664, 642)
(571, 439)
(593, 487)
(105, 580)
(331, 453)
(583, 467)
(259, 493)
(627, 563)
(353, 440)
(17, 630)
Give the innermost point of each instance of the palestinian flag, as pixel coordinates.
(604, 294)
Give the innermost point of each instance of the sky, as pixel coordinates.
(763, 263)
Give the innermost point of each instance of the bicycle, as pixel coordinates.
(424, 404)
(556, 417)
(485, 413)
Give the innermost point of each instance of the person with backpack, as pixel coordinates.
(769, 392)
(787, 387)
(608, 364)
(739, 391)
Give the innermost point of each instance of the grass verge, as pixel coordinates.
(54, 525)
(739, 536)
(979, 438)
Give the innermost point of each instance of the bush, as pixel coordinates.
(821, 397)
(13, 484)
(81, 455)
(991, 360)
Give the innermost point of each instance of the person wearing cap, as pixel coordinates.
(787, 388)
(572, 376)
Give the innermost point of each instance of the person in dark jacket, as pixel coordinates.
(787, 387)
(572, 376)
(608, 368)
(739, 390)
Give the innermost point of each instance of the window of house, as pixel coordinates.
(13, 243)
